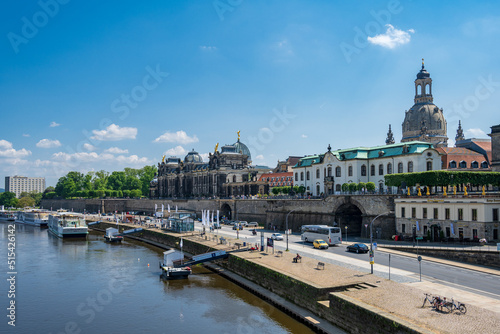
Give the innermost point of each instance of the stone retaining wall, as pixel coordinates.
(476, 257)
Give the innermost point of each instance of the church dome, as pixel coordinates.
(242, 148)
(193, 157)
(423, 73)
(427, 117)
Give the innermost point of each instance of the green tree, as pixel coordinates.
(361, 186)
(136, 193)
(370, 186)
(146, 175)
(26, 201)
(353, 187)
(301, 189)
(345, 187)
(116, 181)
(8, 199)
(276, 190)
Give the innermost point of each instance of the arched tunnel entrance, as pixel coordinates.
(349, 215)
(226, 211)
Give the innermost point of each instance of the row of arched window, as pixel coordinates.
(463, 164)
(381, 168)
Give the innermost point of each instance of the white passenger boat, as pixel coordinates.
(168, 270)
(66, 225)
(34, 217)
(112, 235)
(7, 215)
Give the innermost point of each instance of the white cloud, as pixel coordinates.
(393, 37)
(54, 124)
(303, 136)
(259, 157)
(114, 133)
(5, 144)
(92, 157)
(7, 151)
(26, 135)
(208, 48)
(47, 143)
(116, 150)
(178, 151)
(89, 147)
(204, 156)
(475, 133)
(180, 137)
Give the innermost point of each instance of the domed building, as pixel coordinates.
(424, 121)
(193, 157)
(243, 149)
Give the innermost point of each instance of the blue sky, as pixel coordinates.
(107, 85)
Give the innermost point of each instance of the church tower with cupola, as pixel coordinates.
(424, 121)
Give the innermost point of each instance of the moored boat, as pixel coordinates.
(34, 217)
(168, 270)
(7, 215)
(112, 235)
(65, 225)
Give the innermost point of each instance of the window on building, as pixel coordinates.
(460, 214)
(424, 212)
(452, 164)
(317, 173)
(410, 166)
(317, 190)
(400, 167)
(349, 170)
(301, 176)
(403, 228)
(413, 212)
(234, 178)
(338, 172)
(389, 168)
(447, 214)
(474, 164)
(372, 170)
(484, 164)
(474, 214)
(425, 229)
(380, 169)
(363, 170)
(330, 171)
(462, 164)
(403, 213)
(474, 233)
(448, 232)
(308, 175)
(429, 165)
(296, 176)
(436, 215)
(495, 215)
(338, 187)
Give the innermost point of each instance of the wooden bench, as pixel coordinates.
(321, 265)
(280, 253)
(297, 259)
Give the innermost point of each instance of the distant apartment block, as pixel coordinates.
(18, 184)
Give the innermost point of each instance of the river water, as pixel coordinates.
(89, 286)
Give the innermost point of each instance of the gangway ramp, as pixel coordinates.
(210, 256)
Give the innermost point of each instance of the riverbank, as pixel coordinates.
(355, 301)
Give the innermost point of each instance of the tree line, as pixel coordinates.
(130, 182)
(443, 178)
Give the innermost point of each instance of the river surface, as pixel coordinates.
(89, 286)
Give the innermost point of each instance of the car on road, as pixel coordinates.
(253, 224)
(320, 244)
(358, 248)
(276, 236)
(244, 223)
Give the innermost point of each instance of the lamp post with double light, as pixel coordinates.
(371, 239)
(286, 223)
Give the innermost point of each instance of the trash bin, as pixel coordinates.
(244, 244)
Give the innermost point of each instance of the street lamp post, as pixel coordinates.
(346, 233)
(286, 223)
(371, 239)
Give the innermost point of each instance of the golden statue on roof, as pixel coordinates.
(163, 159)
(216, 148)
(238, 132)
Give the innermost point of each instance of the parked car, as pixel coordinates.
(320, 244)
(358, 248)
(277, 236)
(253, 224)
(244, 223)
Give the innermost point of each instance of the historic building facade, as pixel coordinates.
(458, 218)
(424, 121)
(324, 174)
(495, 148)
(227, 173)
